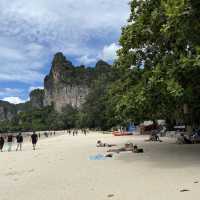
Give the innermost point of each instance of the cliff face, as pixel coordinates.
(64, 85)
(7, 111)
(37, 98)
(61, 96)
(69, 85)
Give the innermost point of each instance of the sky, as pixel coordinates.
(32, 31)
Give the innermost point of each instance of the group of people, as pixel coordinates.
(127, 147)
(46, 134)
(192, 138)
(19, 139)
(182, 139)
(75, 132)
(154, 137)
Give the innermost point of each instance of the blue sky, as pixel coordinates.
(31, 32)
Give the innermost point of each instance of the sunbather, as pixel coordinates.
(182, 139)
(138, 150)
(127, 147)
(154, 137)
(195, 136)
(101, 144)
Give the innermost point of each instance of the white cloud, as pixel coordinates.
(9, 91)
(26, 76)
(85, 60)
(109, 52)
(74, 15)
(32, 31)
(20, 61)
(14, 100)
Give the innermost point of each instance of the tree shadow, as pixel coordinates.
(165, 155)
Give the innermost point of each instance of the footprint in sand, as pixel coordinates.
(184, 190)
(31, 170)
(14, 173)
(110, 195)
(18, 173)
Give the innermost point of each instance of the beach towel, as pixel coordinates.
(97, 157)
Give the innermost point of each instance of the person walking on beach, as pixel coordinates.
(10, 141)
(34, 138)
(19, 138)
(84, 132)
(1, 143)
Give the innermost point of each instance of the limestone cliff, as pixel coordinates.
(67, 84)
(63, 86)
(37, 98)
(7, 110)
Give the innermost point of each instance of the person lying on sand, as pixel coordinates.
(182, 139)
(101, 144)
(154, 138)
(127, 147)
(138, 150)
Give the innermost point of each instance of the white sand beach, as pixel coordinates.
(60, 169)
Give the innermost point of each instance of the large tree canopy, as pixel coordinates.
(159, 62)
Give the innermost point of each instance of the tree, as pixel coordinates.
(159, 62)
(93, 113)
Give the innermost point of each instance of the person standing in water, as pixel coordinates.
(34, 138)
(1, 143)
(10, 141)
(19, 138)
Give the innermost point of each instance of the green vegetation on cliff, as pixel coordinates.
(37, 98)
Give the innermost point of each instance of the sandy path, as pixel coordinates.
(60, 169)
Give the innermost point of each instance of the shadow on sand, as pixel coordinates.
(165, 155)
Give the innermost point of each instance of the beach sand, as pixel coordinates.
(60, 169)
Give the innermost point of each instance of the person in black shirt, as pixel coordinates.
(19, 138)
(34, 139)
(10, 141)
(84, 132)
(1, 143)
